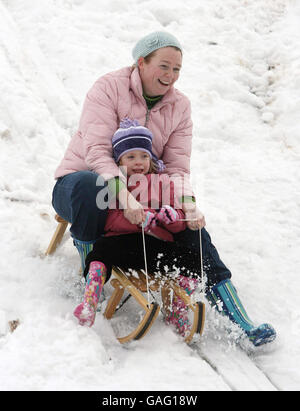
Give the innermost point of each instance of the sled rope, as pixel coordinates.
(146, 266)
(201, 265)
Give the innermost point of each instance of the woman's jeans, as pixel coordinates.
(74, 199)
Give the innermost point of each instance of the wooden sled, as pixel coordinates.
(136, 286)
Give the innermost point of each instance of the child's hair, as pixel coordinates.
(154, 167)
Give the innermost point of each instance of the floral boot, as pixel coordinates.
(178, 315)
(86, 311)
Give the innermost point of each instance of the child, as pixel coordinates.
(122, 244)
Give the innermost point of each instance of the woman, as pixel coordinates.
(144, 92)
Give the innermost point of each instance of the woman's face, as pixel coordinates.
(162, 70)
(136, 161)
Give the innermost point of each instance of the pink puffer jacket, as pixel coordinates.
(118, 95)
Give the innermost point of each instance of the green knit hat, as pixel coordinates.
(152, 42)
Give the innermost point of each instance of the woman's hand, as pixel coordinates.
(195, 216)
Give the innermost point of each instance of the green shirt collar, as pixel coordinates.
(151, 101)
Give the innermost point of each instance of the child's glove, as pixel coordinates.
(150, 221)
(167, 215)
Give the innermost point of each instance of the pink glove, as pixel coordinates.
(150, 221)
(167, 215)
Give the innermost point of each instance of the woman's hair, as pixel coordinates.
(152, 54)
(149, 57)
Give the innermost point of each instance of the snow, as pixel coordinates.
(241, 72)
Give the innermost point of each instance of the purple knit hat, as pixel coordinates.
(132, 136)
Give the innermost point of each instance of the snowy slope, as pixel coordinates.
(241, 71)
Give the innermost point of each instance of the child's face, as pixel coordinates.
(137, 162)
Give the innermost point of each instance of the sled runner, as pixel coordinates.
(136, 286)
